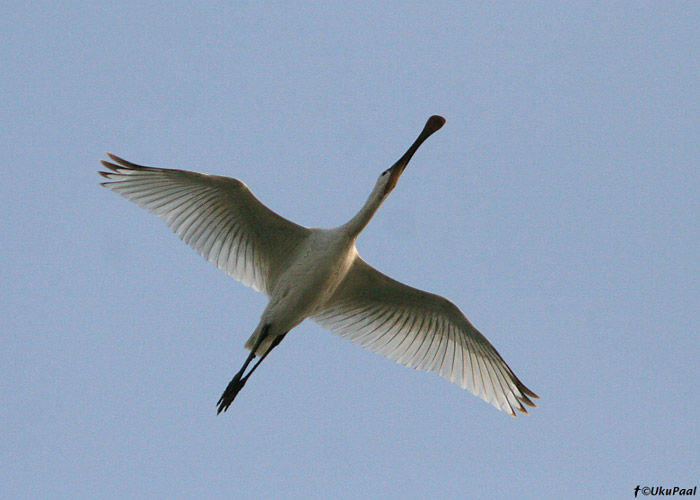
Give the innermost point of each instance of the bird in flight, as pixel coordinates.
(318, 274)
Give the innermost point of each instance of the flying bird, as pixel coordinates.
(318, 274)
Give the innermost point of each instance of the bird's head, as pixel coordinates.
(390, 176)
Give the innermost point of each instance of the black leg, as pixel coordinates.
(233, 387)
(239, 380)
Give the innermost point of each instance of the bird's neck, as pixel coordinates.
(355, 225)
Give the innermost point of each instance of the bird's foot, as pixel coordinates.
(230, 393)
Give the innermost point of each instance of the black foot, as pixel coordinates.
(237, 383)
(230, 393)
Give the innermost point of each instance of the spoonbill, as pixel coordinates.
(318, 274)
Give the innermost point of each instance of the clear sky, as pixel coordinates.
(559, 207)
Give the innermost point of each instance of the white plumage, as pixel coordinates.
(317, 273)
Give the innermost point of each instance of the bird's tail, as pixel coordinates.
(268, 342)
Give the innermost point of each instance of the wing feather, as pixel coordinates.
(217, 216)
(421, 330)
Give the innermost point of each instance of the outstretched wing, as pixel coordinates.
(217, 216)
(421, 330)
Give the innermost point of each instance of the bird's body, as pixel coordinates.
(318, 274)
(319, 264)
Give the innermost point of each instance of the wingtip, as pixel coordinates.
(525, 400)
(528, 392)
(122, 163)
(522, 399)
(529, 403)
(110, 166)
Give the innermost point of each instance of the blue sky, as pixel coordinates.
(559, 207)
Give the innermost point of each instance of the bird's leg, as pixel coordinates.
(239, 380)
(233, 387)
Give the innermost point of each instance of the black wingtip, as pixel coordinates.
(116, 158)
(111, 166)
(122, 163)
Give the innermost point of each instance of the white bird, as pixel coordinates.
(318, 274)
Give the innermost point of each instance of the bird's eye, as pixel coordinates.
(384, 173)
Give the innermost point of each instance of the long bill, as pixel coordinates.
(433, 124)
